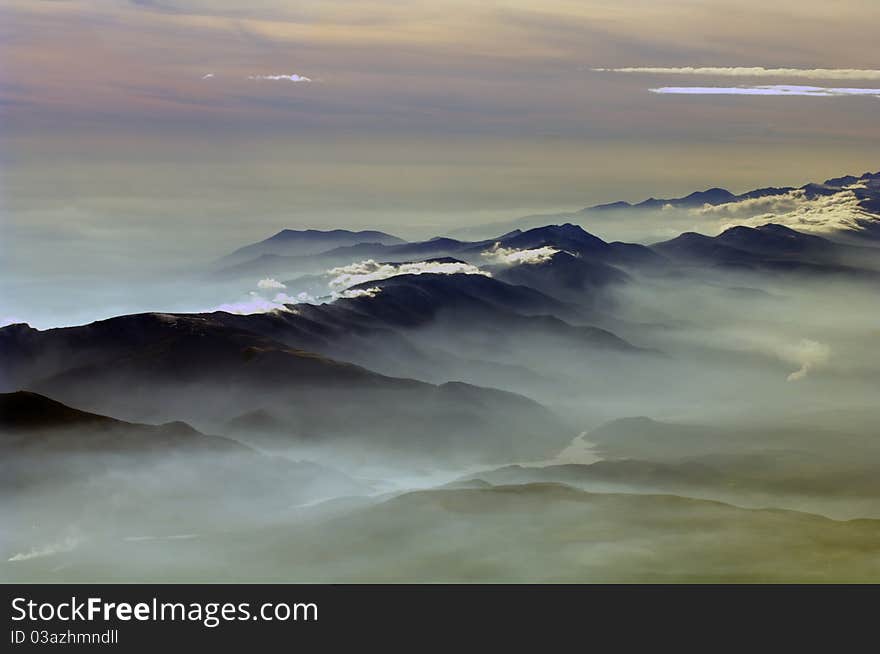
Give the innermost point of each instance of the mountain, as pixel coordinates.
(647, 439)
(292, 242)
(542, 532)
(784, 478)
(29, 421)
(436, 327)
(869, 195)
(279, 266)
(574, 239)
(696, 199)
(73, 475)
(566, 276)
(566, 237)
(774, 248)
(209, 369)
(868, 200)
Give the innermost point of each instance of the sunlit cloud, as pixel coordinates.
(351, 293)
(269, 282)
(755, 71)
(369, 270)
(293, 77)
(776, 89)
(255, 303)
(207, 75)
(512, 256)
(822, 214)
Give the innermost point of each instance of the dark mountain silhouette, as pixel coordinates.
(96, 468)
(566, 276)
(567, 237)
(400, 307)
(30, 420)
(573, 239)
(773, 248)
(208, 369)
(292, 242)
(696, 199)
(866, 188)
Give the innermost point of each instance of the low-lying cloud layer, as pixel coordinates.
(513, 256)
(754, 71)
(341, 281)
(827, 213)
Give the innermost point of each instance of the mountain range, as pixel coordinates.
(542, 404)
(864, 190)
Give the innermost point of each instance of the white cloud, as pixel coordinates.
(774, 90)
(512, 256)
(748, 208)
(255, 303)
(756, 71)
(66, 545)
(207, 75)
(370, 271)
(270, 282)
(293, 77)
(822, 214)
(808, 354)
(299, 298)
(359, 292)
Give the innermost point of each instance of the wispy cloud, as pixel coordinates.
(776, 89)
(368, 271)
(292, 77)
(270, 282)
(513, 256)
(756, 71)
(255, 303)
(808, 354)
(822, 214)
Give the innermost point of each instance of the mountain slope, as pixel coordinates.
(202, 369)
(291, 242)
(530, 533)
(771, 247)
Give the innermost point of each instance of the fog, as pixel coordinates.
(674, 422)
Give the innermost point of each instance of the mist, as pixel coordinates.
(617, 416)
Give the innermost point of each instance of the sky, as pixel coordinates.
(138, 134)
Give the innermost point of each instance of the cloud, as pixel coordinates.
(207, 75)
(823, 214)
(512, 256)
(255, 303)
(776, 90)
(359, 292)
(269, 282)
(756, 71)
(67, 545)
(750, 207)
(370, 270)
(293, 77)
(808, 354)
(299, 298)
